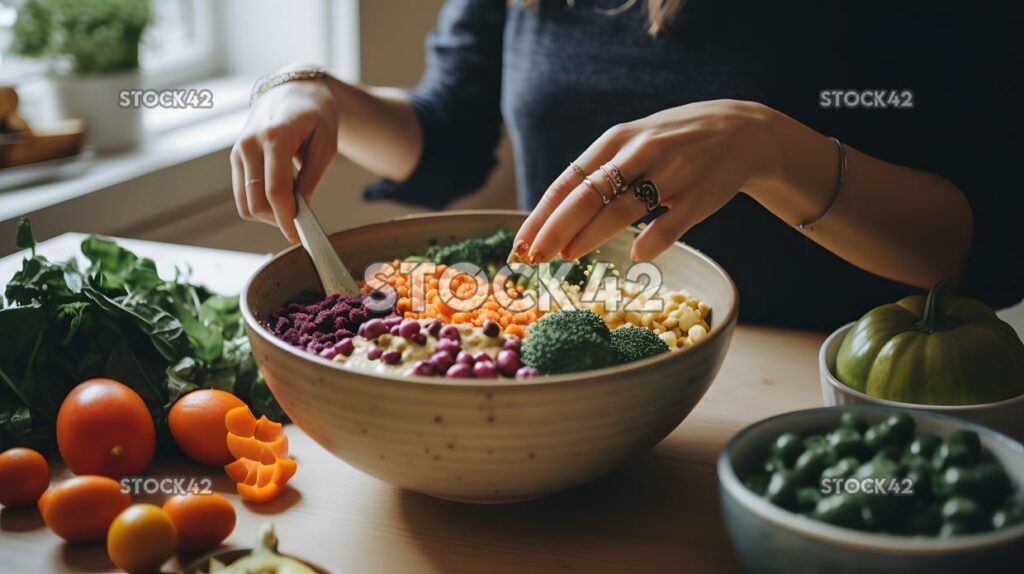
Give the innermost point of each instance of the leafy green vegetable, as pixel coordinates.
(61, 325)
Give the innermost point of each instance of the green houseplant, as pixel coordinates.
(92, 50)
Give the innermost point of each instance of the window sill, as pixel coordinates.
(176, 143)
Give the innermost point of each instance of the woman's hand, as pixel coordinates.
(294, 125)
(699, 155)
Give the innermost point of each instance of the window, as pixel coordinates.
(179, 46)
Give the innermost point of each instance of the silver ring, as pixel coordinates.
(252, 181)
(647, 191)
(616, 180)
(590, 184)
(579, 170)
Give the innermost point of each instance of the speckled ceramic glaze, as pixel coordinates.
(484, 441)
(772, 540)
(1006, 416)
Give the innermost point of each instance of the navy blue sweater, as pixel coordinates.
(556, 78)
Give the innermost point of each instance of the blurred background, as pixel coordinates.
(170, 181)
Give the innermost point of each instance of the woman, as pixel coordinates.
(721, 114)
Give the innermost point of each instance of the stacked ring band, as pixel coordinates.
(647, 191)
(252, 181)
(604, 198)
(579, 170)
(615, 179)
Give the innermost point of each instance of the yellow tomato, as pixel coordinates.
(141, 539)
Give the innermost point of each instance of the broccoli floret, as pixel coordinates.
(483, 252)
(633, 343)
(568, 342)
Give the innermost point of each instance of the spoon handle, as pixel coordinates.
(334, 275)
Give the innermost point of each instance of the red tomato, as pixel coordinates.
(24, 476)
(104, 428)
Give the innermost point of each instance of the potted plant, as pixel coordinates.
(92, 47)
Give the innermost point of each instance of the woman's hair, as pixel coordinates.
(659, 12)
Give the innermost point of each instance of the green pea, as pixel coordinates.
(757, 482)
(816, 442)
(960, 509)
(902, 427)
(953, 454)
(787, 447)
(1010, 512)
(891, 452)
(781, 489)
(969, 439)
(840, 510)
(851, 421)
(878, 467)
(954, 528)
(846, 442)
(773, 464)
(878, 436)
(811, 462)
(807, 498)
(842, 469)
(924, 445)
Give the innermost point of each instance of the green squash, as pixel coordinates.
(938, 350)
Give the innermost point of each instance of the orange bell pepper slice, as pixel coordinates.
(250, 447)
(262, 467)
(258, 494)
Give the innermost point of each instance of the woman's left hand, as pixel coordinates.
(699, 156)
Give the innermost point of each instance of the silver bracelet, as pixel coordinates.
(807, 225)
(274, 80)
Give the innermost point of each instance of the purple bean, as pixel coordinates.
(485, 370)
(449, 332)
(394, 331)
(449, 346)
(482, 356)
(408, 328)
(329, 353)
(492, 328)
(392, 320)
(391, 357)
(442, 361)
(459, 371)
(527, 372)
(374, 353)
(374, 328)
(345, 346)
(464, 357)
(423, 368)
(419, 338)
(508, 362)
(434, 327)
(512, 342)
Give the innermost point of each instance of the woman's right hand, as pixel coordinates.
(294, 125)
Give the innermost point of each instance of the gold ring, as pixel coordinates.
(579, 170)
(647, 191)
(615, 179)
(252, 181)
(590, 184)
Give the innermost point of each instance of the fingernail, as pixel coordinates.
(536, 256)
(517, 250)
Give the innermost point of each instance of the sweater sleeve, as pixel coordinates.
(457, 103)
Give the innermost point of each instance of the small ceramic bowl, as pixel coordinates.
(472, 440)
(1006, 416)
(770, 539)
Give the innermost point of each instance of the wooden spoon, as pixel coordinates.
(334, 276)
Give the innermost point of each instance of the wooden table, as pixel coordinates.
(659, 513)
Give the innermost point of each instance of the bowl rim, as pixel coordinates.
(719, 329)
(833, 381)
(828, 533)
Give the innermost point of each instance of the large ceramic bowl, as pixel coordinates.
(1005, 416)
(773, 540)
(476, 441)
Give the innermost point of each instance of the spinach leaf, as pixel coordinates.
(60, 325)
